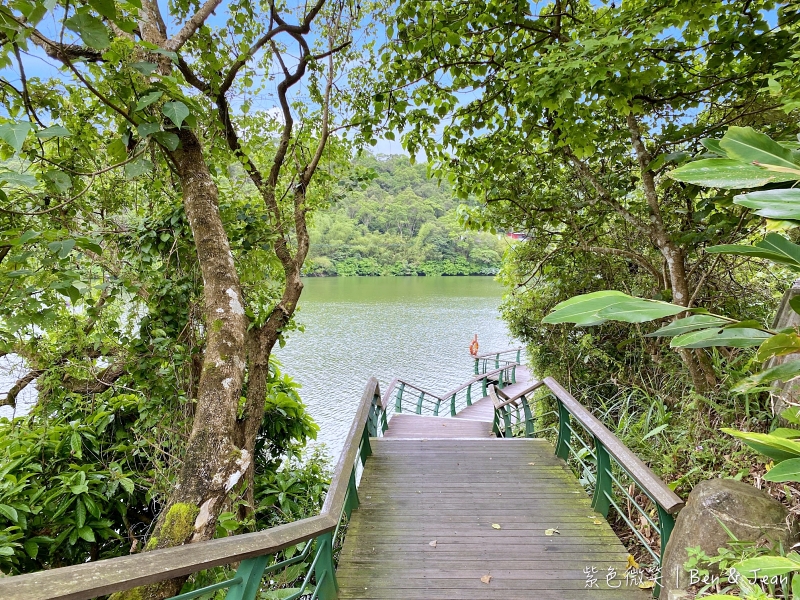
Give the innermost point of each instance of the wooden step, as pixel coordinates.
(424, 427)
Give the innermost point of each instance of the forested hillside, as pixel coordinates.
(400, 223)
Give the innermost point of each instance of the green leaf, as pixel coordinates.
(639, 310)
(773, 247)
(688, 324)
(772, 204)
(751, 146)
(145, 68)
(86, 533)
(727, 174)
(78, 489)
(794, 303)
(31, 547)
(59, 179)
(713, 146)
(126, 484)
(743, 337)
(63, 252)
(768, 566)
(783, 372)
(53, 131)
(14, 134)
(169, 140)
(105, 8)
(788, 470)
(6, 551)
(9, 512)
(146, 129)
(779, 345)
(792, 414)
(777, 448)
(138, 167)
(582, 310)
(80, 513)
(176, 112)
(75, 444)
(18, 179)
(147, 100)
(91, 29)
(655, 431)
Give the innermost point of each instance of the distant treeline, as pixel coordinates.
(400, 223)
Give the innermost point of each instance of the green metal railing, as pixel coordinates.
(255, 552)
(409, 398)
(493, 360)
(605, 466)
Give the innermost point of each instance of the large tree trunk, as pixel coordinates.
(213, 463)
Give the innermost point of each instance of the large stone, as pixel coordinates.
(750, 514)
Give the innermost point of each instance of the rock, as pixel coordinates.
(750, 514)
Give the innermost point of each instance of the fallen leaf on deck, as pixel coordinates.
(531, 464)
(433, 543)
(495, 526)
(647, 585)
(632, 564)
(553, 531)
(598, 522)
(486, 578)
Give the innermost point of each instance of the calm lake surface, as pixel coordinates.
(417, 328)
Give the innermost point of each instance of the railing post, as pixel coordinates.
(351, 501)
(419, 403)
(469, 395)
(528, 417)
(666, 522)
(453, 406)
(602, 484)
(518, 351)
(483, 387)
(497, 361)
(436, 408)
(514, 374)
(250, 571)
(477, 360)
(564, 433)
(366, 448)
(325, 573)
(507, 422)
(398, 403)
(500, 380)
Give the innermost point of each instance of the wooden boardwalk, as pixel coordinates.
(444, 504)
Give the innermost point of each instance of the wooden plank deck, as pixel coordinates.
(452, 490)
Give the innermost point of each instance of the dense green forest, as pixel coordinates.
(401, 223)
(170, 174)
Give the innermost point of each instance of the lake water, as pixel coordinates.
(417, 328)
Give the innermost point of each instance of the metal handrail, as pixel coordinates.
(505, 375)
(488, 354)
(607, 449)
(89, 580)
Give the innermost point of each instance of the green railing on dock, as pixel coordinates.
(495, 360)
(409, 398)
(604, 465)
(320, 535)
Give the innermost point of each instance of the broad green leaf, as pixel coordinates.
(712, 145)
(80, 488)
(14, 134)
(9, 512)
(779, 345)
(91, 29)
(105, 8)
(146, 129)
(792, 414)
(727, 174)
(688, 324)
(773, 247)
(6, 551)
(768, 566)
(145, 68)
(788, 470)
(582, 310)
(751, 146)
(75, 439)
(13, 178)
(169, 140)
(794, 303)
(138, 167)
(743, 337)
(59, 179)
(783, 372)
(86, 533)
(53, 131)
(777, 448)
(639, 310)
(772, 204)
(126, 484)
(31, 547)
(147, 100)
(176, 112)
(786, 433)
